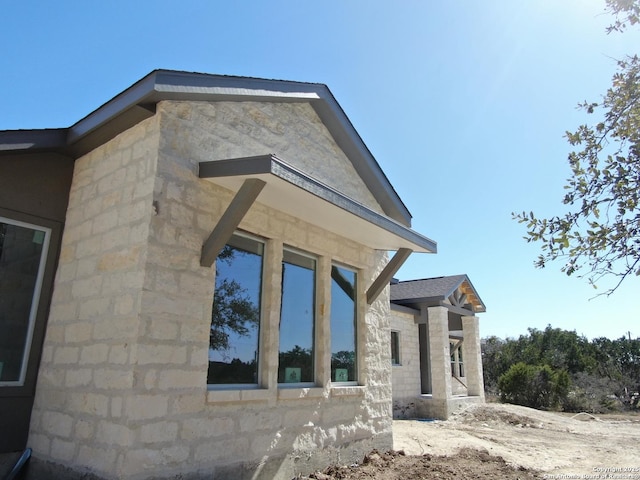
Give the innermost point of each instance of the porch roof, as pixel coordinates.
(454, 290)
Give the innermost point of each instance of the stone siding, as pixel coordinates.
(292, 131)
(406, 376)
(122, 389)
(472, 352)
(86, 377)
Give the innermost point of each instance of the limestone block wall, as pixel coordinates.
(406, 376)
(439, 404)
(122, 390)
(270, 430)
(87, 372)
(473, 356)
(292, 131)
(458, 387)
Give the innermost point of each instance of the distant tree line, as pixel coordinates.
(558, 369)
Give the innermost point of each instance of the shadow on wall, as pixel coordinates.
(301, 444)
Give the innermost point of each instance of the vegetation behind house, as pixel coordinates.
(558, 369)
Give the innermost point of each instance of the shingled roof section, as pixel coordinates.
(427, 287)
(427, 290)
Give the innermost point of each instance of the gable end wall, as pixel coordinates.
(122, 389)
(292, 131)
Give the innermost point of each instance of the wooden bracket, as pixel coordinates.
(387, 274)
(230, 220)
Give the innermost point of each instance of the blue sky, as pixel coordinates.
(464, 105)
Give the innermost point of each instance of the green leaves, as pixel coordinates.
(597, 369)
(599, 235)
(627, 13)
(534, 386)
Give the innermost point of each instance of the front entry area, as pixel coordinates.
(438, 365)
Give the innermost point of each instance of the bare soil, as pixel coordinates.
(504, 441)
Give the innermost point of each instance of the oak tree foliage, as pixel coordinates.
(603, 374)
(535, 386)
(599, 235)
(233, 310)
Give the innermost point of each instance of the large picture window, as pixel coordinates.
(343, 324)
(235, 319)
(23, 250)
(297, 319)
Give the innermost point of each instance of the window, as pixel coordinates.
(395, 348)
(452, 352)
(297, 319)
(343, 325)
(23, 250)
(457, 365)
(235, 318)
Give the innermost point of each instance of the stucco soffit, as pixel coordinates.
(12, 141)
(293, 192)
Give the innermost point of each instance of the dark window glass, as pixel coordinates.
(235, 319)
(453, 359)
(343, 325)
(395, 348)
(297, 318)
(457, 365)
(22, 248)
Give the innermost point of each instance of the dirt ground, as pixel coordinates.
(504, 441)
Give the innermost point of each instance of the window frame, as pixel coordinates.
(261, 318)
(457, 361)
(356, 329)
(395, 341)
(35, 298)
(274, 256)
(314, 327)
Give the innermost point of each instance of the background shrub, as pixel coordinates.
(534, 386)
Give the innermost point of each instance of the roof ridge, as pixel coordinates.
(430, 278)
(232, 76)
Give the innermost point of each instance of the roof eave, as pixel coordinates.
(294, 192)
(481, 307)
(19, 141)
(138, 102)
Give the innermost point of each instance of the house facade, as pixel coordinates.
(435, 345)
(118, 233)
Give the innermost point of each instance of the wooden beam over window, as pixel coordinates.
(230, 220)
(296, 193)
(387, 274)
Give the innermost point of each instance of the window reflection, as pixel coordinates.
(235, 319)
(297, 319)
(343, 325)
(22, 253)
